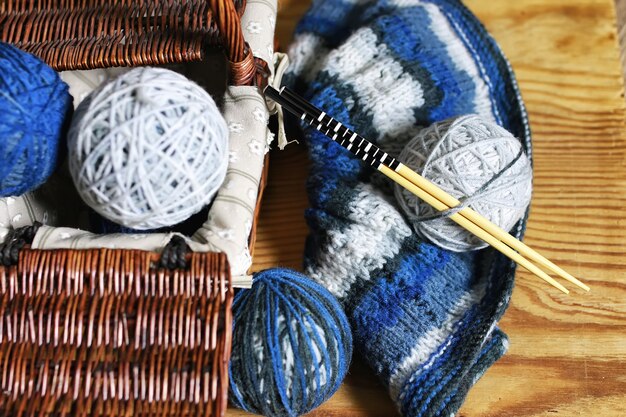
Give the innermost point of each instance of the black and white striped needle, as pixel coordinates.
(347, 138)
(418, 185)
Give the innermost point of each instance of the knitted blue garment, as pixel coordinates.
(424, 318)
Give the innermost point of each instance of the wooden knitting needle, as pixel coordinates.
(450, 202)
(470, 227)
(488, 226)
(430, 193)
(467, 212)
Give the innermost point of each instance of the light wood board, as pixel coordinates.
(620, 5)
(568, 353)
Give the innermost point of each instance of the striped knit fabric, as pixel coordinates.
(423, 317)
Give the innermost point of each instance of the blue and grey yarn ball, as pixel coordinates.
(292, 345)
(34, 107)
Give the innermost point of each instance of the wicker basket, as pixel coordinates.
(111, 332)
(105, 332)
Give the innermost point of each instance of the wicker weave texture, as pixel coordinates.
(105, 333)
(88, 34)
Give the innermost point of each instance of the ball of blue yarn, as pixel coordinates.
(292, 345)
(34, 106)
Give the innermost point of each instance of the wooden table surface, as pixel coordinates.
(568, 353)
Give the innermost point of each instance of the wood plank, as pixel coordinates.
(567, 352)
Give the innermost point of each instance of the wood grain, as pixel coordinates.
(568, 353)
(620, 5)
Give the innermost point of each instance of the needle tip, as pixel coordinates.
(559, 286)
(575, 281)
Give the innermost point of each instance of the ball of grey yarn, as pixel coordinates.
(473, 159)
(148, 149)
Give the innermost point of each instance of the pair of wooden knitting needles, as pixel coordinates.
(467, 218)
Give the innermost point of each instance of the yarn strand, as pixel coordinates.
(149, 149)
(34, 106)
(291, 345)
(476, 195)
(477, 162)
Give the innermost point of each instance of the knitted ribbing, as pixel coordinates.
(423, 317)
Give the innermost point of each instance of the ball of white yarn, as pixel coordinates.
(461, 156)
(148, 149)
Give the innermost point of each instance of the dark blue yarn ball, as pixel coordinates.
(34, 106)
(292, 345)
